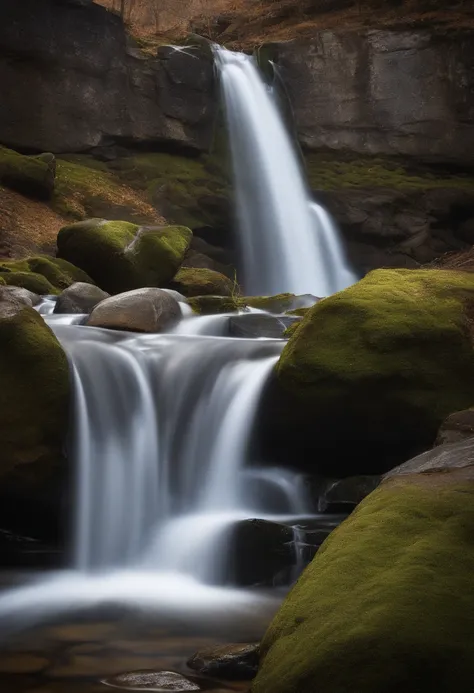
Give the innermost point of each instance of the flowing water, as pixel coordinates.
(286, 244)
(162, 423)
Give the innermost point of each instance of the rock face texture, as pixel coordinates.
(384, 92)
(86, 88)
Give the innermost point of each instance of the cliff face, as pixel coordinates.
(407, 93)
(70, 82)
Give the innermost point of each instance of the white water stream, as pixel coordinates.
(287, 243)
(163, 423)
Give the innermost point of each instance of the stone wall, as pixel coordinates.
(72, 82)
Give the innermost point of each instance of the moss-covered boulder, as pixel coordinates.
(30, 175)
(388, 602)
(215, 305)
(203, 282)
(120, 256)
(370, 373)
(34, 398)
(281, 303)
(41, 274)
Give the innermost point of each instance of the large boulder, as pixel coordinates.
(120, 256)
(80, 297)
(387, 604)
(202, 282)
(142, 310)
(371, 372)
(34, 398)
(30, 175)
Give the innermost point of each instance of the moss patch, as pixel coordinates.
(41, 274)
(34, 391)
(333, 171)
(189, 192)
(387, 604)
(86, 188)
(202, 282)
(381, 364)
(214, 305)
(121, 256)
(32, 176)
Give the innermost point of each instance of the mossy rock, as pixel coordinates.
(215, 305)
(387, 603)
(32, 176)
(370, 373)
(121, 256)
(202, 282)
(34, 399)
(42, 274)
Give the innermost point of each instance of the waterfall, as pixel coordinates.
(284, 243)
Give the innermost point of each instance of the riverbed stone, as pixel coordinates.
(120, 256)
(153, 681)
(141, 310)
(80, 297)
(255, 325)
(19, 294)
(234, 661)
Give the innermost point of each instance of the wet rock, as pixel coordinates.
(28, 298)
(79, 298)
(214, 305)
(281, 303)
(351, 490)
(233, 662)
(202, 282)
(142, 310)
(254, 325)
(153, 681)
(444, 458)
(457, 427)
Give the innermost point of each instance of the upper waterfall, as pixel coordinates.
(284, 244)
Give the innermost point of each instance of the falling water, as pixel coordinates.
(284, 243)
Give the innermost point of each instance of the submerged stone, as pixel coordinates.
(237, 661)
(255, 325)
(152, 681)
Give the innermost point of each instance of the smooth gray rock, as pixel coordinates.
(254, 325)
(234, 661)
(152, 681)
(18, 294)
(441, 459)
(80, 297)
(141, 310)
(456, 428)
(395, 92)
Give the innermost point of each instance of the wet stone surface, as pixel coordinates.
(152, 681)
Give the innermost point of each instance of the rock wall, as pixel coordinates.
(401, 92)
(71, 82)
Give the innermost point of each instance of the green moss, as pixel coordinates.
(121, 256)
(279, 303)
(387, 603)
(2, 281)
(34, 391)
(189, 191)
(332, 171)
(30, 175)
(384, 361)
(213, 305)
(42, 274)
(202, 282)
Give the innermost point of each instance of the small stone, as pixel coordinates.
(152, 681)
(233, 662)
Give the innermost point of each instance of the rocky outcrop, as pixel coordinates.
(142, 310)
(70, 82)
(370, 373)
(403, 92)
